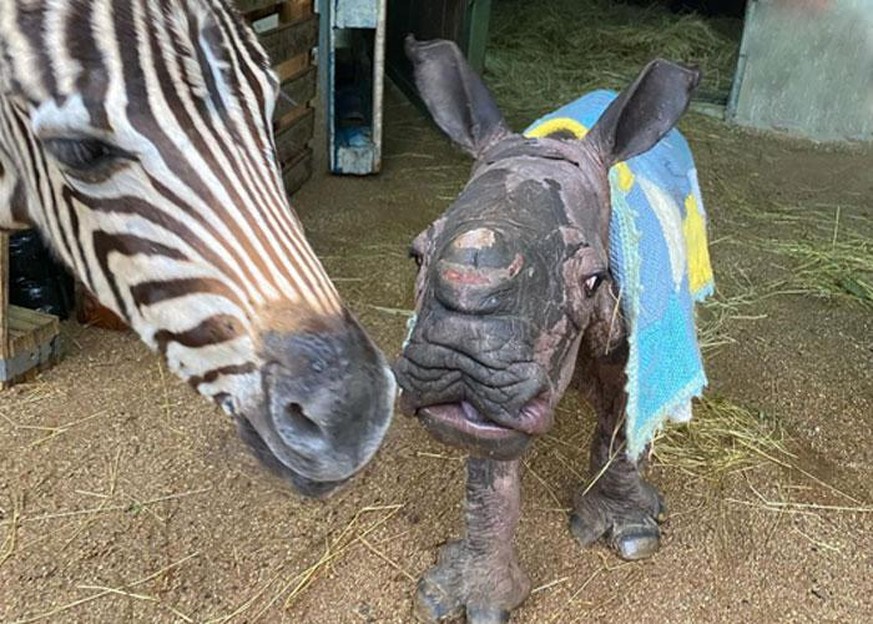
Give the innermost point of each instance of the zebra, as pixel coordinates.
(136, 136)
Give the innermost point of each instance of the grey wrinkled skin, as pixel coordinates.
(514, 296)
(492, 506)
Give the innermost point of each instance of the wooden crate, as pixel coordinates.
(289, 31)
(29, 340)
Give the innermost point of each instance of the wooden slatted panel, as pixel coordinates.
(299, 89)
(247, 7)
(32, 344)
(289, 42)
(295, 173)
(295, 138)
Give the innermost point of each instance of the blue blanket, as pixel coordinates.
(660, 260)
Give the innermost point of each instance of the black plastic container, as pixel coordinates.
(36, 280)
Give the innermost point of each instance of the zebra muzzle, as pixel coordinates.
(328, 398)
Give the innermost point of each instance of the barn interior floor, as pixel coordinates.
(126, 498)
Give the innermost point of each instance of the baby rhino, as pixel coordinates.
(514, 293)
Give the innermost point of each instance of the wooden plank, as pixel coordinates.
(33, 344)
(298, 90)
(246, 7)
(23, 356)
(291, 117)
(293, 66)
(293, 139)
(44, 326)
(24, 320)
(378, 84)
(295, 173)
(291, 10)
(288, 11)
(356, 14)
(289, 40)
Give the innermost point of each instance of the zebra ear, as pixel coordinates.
(454, 94)
(645, 111)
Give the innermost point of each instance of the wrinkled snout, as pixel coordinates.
(469, 370)
(328, 399)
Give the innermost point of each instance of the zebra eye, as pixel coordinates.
(81, 154)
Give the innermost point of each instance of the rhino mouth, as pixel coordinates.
(462, 425)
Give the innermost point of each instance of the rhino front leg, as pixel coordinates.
(619, 506)
(479, 574)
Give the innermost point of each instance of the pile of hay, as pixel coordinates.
(722, 438)
(544, 54)
(829, 269)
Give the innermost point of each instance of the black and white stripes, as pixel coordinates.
(137, 136)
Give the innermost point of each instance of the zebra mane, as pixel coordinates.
(202, 34)
(187, 26)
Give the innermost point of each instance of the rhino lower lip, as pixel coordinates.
(466, 419)
(461, 426)
(536, 417)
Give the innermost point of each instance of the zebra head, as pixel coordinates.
(136, 135)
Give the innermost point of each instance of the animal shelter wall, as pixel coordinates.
(806, 67)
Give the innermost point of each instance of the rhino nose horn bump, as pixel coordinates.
(474, 267)
(480, 248)
(478, 238)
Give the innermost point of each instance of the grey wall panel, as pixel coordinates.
(806, 67)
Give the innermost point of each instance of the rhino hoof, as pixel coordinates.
(636, 540)
(440, 593)
(629, 527)
(461, 583)
(434, 604)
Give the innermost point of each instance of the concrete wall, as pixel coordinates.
(806, 67)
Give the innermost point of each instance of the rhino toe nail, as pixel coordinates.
(587, 532)
(434, 603)
(637, 543)
(487, 616)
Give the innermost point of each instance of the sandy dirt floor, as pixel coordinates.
(126, 498)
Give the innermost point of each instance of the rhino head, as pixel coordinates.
(514, 276)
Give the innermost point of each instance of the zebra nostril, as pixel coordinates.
(299, 423)
(298, 430)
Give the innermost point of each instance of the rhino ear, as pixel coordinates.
(456, 97)
(645, 111)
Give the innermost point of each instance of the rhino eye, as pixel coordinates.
(593, 283)
(415, 255)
